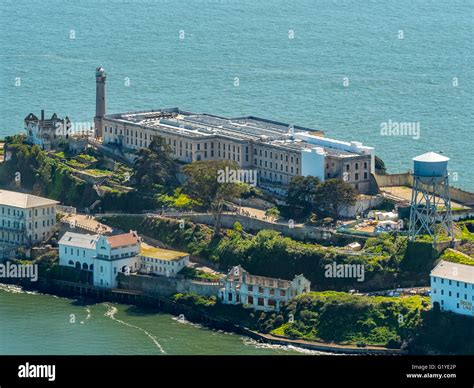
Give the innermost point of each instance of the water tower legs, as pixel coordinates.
(430, 209)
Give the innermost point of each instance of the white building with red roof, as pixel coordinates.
(106, 256)
(115, 254)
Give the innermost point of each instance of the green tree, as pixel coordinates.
(178, 200)
(155, 165)
(380, 165)
(334, 195)
(203, 184)
(238, 227)
(25, 160)
(273, 213)
(302, 191)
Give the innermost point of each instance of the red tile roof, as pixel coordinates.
(120, 240)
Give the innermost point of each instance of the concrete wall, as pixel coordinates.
(406, 179)
(362, 205)
(66, 209)
(254, 224)
(200, 288)
(149, 284)
(459, 215)
(161, 285)
(461, 196)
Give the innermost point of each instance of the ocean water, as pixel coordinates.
(335, 65)
(37, 324)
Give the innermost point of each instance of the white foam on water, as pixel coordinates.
(110, 313)
(287, 348)
(14, 289)
(186, 322)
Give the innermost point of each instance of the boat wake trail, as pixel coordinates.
(110, 313)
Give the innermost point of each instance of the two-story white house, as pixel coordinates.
(262, 293)
(452, 287)
(26, 219)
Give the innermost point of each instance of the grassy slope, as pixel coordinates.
(350, 319)
(389, 261)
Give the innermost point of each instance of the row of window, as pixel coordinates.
(77, 265)
(90, 267)
(165, 262)
(266, 154)
(16, 237)
(188, 146)
(272, 177)
(450, 294)
(263, 163)
(13, 238)
(261, 290)
(77, 251)
(442, 305)
(123, 255)
(117, 256)
(356, 176)
(251, 300)
(356, 166)
(156, 268)
(450, 282)
(224, 147)
(189, 154)
(20, 213)
(228, 155)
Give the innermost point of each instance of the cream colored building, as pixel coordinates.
(26, 219)
(276, 150)
(162, 262)
(269, 147)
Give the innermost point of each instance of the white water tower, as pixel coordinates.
(430, 202)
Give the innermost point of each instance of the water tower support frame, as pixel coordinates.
(428, 197)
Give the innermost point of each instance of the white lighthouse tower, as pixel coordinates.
(100, 77)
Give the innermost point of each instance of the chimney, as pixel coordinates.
(42, 114)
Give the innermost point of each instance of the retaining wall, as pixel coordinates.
(250, 224)
(406, 179)
(161, 285)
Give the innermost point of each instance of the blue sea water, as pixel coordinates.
(40, 324)
(298, 81)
